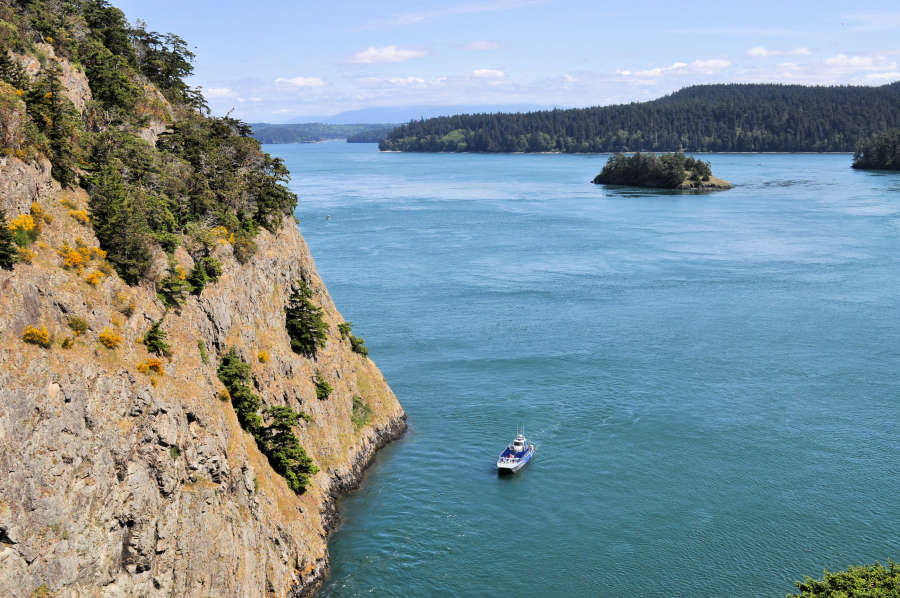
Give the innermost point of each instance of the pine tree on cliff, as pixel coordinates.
(8, 251)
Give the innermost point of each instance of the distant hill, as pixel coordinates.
(724, 117)
(402, 114)
(312, 132)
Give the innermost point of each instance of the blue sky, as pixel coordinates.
(279, 61)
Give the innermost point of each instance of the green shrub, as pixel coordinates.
(174, 452)
(78, 325)
(304, 322)
(204, 356)
(358, 344)
(345, 328)
(361, 413)
(323, 388)
(155, 339)
(867, 581)
(172, 289)
(206, 270)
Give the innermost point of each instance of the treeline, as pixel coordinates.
(313, 132)
(204, 181)
(703, 118)
(880, 152)
(665, 171)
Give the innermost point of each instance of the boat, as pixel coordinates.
(516, 456)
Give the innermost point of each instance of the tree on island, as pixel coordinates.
(879, 152)
(664, 171)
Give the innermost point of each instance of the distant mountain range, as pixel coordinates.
(368, 125)
(724, 118)
(317, 131)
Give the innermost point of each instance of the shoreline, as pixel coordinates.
(340, 485)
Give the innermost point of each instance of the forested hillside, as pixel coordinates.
(724, 117)
(160, 172)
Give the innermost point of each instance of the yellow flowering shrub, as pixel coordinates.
(36, 336)
(26, 255)
(72, 259)
(263, 356)
(22, 222)
(81, 216)
(223, 394)
(95, 278)
(109, 338)
(151, 364)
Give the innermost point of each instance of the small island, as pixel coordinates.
(879, 152)
(663, 171)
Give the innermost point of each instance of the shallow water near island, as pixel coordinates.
(711, 380)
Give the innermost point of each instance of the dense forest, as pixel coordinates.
(313, 132)
(880, 152)
(724, 117)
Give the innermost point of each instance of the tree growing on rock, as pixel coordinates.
(8, 250)
(304, 321)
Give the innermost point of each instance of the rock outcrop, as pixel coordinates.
(121, 483)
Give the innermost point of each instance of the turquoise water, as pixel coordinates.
(711, 380)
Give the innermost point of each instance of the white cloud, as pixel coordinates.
(488, 74)
(890, 76)
(297, 82)
(844, 63)
(569, 78)
(219, 92)
(482, 46)
(762, 51)
(373, 55)
(404, 81)
(703, 67)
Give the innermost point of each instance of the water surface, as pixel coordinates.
(711, 380)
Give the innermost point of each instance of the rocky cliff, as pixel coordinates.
(120, 479)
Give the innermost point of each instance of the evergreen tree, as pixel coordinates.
(8, 250)
(119, 223)
(155, 339)
(304, 321)
(283, 450)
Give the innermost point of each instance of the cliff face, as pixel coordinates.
(122, 483)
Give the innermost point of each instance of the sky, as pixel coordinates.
(281, 61)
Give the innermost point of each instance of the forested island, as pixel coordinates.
(315, 132)
(701, 118)
(879, 152)
(664, 171)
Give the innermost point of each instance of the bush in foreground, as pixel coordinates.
(866, 581)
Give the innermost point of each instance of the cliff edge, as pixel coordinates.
(149, 243)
